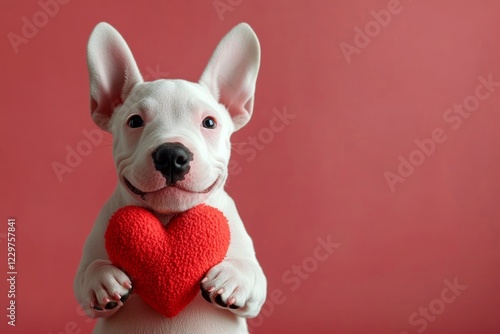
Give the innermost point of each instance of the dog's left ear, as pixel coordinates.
(231, 73)
(113, 72)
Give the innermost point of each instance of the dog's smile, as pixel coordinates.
(141, 193)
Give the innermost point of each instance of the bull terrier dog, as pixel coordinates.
(171, 147)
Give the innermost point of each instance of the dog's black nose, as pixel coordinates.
(172, 160)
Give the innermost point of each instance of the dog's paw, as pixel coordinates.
(230, 284)
(107, 286)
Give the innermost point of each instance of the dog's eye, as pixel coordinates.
(135, 121)
(209, 122)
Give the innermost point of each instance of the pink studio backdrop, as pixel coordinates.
(368, 176)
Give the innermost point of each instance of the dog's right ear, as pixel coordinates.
(112, 70)
(231, 73)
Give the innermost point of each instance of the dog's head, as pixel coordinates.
(171, 137)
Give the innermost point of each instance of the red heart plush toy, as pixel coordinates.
(166, 264)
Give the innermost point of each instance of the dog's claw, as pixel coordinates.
(232, 304)
(125, 297)
(97, 308)
(205, 295)
(219, 301)
(111, 305)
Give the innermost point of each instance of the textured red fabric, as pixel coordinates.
(166, 264)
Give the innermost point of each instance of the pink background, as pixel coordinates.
(320, 176)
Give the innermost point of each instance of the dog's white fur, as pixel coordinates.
(173, 111)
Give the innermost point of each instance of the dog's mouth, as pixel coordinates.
(141, 193)
(132, 188)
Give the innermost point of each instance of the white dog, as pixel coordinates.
(171, 149)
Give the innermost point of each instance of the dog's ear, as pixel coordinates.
(231, 73)
(112, 70)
